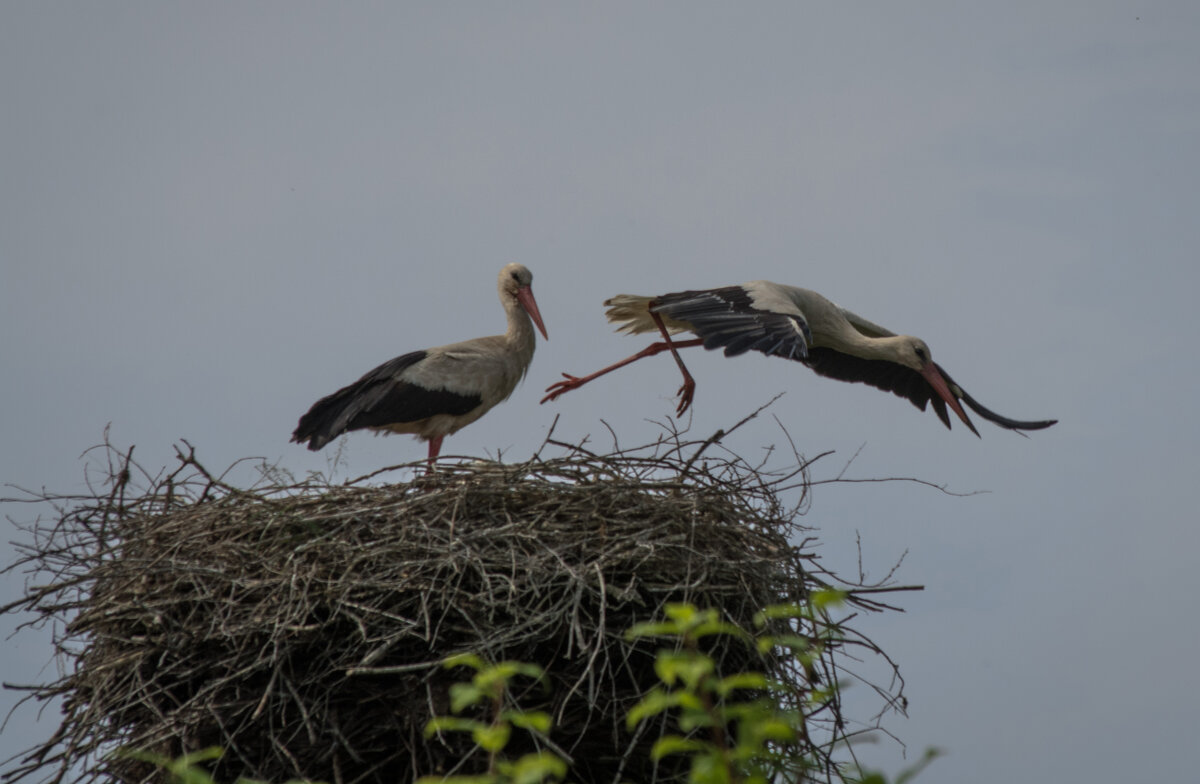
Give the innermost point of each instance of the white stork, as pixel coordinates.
(436, 392)
(794, 323)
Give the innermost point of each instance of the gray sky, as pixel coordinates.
(211, 215)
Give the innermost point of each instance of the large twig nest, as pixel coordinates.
(301, 626)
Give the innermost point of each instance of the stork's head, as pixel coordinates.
(913, 353)
(515, 284)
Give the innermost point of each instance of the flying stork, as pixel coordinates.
(436, 392)
(797, 324)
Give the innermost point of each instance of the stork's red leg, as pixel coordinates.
(689, 384)
(574, 382)
(435, 447)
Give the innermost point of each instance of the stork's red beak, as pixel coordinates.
(525, 297)
(934, 377)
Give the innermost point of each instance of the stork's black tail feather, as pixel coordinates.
(318, 426)
(350, 407)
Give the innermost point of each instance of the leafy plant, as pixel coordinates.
(488, 688)
(185, 769)
(735, 727)
(744, 727)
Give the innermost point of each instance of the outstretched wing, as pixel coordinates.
(881, 374)
(731, 318)
(908, 384)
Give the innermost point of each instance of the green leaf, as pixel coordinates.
(464, 660)
(494, 679)
(796, 643)
(507, 670)
(491, 738)
(823, 694)
(529, 670)
(708, 768)
(741, 680)
(450, 724)
(715, 626)
(827, 597)
(491, 681)
(203, 755)
(773, 728)
(654, 703)
(682, 613)
(776, 611)
(463, 695)
(688, 666)
(674, 744)
(538, 721)
(657, 701)
(534, 768)
(183, 768)
(692, 717)
(652, 629)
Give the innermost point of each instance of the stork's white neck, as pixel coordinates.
(520, 326)
(519, 336)
(850, 341)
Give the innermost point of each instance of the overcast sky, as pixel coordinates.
(213, 214)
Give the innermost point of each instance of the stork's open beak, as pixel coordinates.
(525, 297)
(934, 377)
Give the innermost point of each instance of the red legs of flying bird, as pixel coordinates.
(689, 384)
(685, 392)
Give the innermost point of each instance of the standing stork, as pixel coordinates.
(794, 323)
(436, 392)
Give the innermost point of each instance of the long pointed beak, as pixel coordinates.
(934, 377)
(525, 297)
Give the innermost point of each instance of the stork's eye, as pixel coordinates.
(920, 353)
(516, 276)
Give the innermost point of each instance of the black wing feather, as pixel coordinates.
(881, 374)
(908, 384)
(726, 318)
(378, 399)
